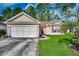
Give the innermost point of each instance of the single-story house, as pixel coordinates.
(54, 28)
(22, 25)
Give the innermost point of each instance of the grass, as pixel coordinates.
(52, 47)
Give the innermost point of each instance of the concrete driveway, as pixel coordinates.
(26, 47)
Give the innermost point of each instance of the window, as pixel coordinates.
(57, 29)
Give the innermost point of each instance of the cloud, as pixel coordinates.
(28, 5)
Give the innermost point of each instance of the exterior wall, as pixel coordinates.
(23, 18)
(48, 31)
(12, 32)
(8, 30)
(54, 29)
(3, 27)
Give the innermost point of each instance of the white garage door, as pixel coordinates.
(25, 31)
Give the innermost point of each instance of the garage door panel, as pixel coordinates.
(24, 31)
(13, 31)
(19, 31)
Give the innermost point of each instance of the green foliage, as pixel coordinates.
(16, 10)
(69, 25)
(75, 14)
(6, 13)
(2, 18)
(2, 33)
(65, 6)
(69, 41)
(75, 42)
(65, 40)
(42, 6)
(31, 11)
(77, 34)
(42, 11)
(52, 47)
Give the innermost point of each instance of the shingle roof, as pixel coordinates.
(23, 18)
(54, 21)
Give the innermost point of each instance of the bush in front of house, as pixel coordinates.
(65, 40)
(2, 33)
(69, 41)
(77, 34)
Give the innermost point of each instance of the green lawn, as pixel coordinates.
(52, 47)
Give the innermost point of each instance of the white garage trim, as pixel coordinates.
(25, 31)
(22, 25)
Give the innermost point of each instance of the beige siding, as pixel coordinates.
(23, 18)
(22, 25)
(8, 30)
(57, 23)
(48, 31)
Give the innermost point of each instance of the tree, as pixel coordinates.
(65, 9)
(16, 10)
(42, 6)
(70, 26)
(43, 12)
(2, 18)
(31, 11)
(47, 15)
(65, 6)
(7, 13)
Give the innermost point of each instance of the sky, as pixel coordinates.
(13, 5)
(25, 5)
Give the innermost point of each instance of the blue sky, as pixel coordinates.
(25, 5)
(22, 5)
(13, 5)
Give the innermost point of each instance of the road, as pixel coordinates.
(18, 48)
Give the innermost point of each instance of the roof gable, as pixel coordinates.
(55, 22)
(22, 17)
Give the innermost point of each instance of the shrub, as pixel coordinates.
(69, 41)
(75, 42)
(65, 40)
(2, 32)
(77, 34)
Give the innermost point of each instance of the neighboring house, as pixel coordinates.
(2, 26)
(22, 26)
(54, 28)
